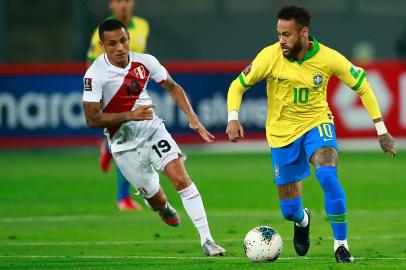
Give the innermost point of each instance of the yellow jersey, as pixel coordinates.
(138, 30)
(297, 90)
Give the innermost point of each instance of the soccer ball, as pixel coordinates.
(263, 244)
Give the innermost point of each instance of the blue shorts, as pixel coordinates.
(291, 163)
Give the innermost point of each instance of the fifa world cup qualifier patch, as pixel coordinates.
(247, 70)
(88, 84)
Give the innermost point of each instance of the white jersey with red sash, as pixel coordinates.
(123, 90)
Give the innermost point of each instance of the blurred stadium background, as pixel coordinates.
(54, 31)
(204, 45)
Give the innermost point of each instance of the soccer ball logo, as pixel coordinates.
(263, 244)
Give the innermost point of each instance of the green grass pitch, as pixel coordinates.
(57, 211)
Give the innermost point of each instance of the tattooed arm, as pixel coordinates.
(385, 140)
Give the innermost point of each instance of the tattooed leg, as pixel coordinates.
(325, 156)
(290, 191)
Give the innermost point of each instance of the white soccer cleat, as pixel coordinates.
(212, 249)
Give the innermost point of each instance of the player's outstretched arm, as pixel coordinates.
(96, 119)
(179, 97)
(355, 78)
(370, 103)
(385, 139)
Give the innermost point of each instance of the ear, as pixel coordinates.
(101, 45)
(128, 35)
(304, 32)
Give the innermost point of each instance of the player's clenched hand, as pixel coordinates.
(234, 131)
(199, 128)
(387, 142)
(143, 112)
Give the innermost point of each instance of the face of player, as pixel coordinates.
(122, 9)
(291, 37)
(116, 45)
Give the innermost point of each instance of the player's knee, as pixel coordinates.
(325, 156)
(150, 191)
(293, 212)
(181, 181)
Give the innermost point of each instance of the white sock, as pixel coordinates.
(193, 204)
(305, 220)
(338, 243)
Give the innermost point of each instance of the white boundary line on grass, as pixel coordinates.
(182, 258)
(53, 218)
(63, 218)
(245, 213)
(170, 241)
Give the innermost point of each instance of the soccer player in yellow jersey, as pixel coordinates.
(299, 126)
(138, 30)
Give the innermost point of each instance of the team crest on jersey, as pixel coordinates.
(140, 72)
(247, 70)
(88, 84)
(318, 80)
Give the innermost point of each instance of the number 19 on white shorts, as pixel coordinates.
(140, 165)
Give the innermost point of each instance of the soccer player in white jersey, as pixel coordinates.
(115, 98)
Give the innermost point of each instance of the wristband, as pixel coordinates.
(232, 115)
(381, 128)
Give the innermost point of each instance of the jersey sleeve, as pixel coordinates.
(92, 85)
(158, 72)
(95, 49)
(259, 69)
(348, 73)
(355, 78)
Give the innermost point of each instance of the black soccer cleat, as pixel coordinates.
(301, 237)
(343, 255)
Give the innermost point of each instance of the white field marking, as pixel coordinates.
(185, 258)
(168, 241)
(53, 218)
(104, 217)
(64, 218)
(112, 243)
(246, 213)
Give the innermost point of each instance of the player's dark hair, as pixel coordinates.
(299, 14)
(110, 25)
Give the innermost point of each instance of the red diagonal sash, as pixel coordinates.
(128, 93)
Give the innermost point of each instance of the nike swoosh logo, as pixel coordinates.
(281, 80)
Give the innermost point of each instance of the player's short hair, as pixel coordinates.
(110, 25)
(299, 14)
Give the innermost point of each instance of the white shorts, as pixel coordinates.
(140, 165)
